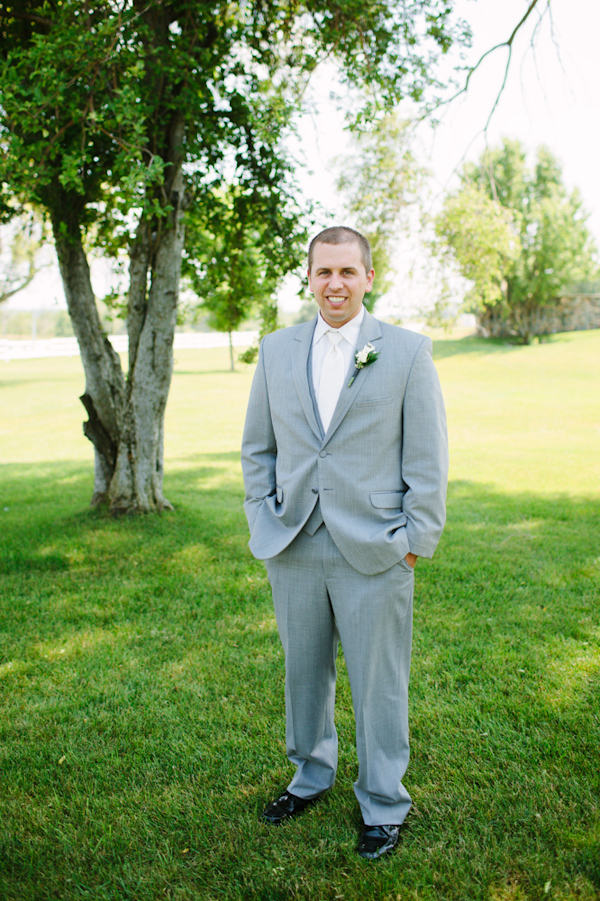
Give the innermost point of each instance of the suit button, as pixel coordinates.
(323, 454)
(315, 490)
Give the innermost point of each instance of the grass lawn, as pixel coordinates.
(141, 677)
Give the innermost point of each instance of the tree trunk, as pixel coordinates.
(137, 484)
(231, 361)
(104, 380)
(126, 417)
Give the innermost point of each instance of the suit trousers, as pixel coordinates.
(319, 601)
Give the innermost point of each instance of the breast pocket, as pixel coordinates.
(375, 402)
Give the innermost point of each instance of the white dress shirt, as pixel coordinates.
(348, 346)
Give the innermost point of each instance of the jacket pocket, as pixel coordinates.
(374, 402)
(388, 500)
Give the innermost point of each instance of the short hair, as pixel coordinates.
(342, 234)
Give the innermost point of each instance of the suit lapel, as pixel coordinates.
(370, 332)
(300, 353)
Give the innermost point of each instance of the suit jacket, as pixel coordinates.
(380, 471)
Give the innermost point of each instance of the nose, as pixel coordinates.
(335, 281)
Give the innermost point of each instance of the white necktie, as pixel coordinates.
(332, 379)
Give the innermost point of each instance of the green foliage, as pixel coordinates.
(518, 235)
(481, 234)
(104, 103)
(239, 246)
(95, 100)
(94, 96)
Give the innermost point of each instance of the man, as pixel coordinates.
(345, 466)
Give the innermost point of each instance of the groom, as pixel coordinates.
(345, 466)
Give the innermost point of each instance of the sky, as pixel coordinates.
(552, 97)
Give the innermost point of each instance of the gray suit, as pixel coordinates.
(377, 481)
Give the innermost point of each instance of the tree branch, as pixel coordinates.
(7, 292)
(509, 44)
(471, 71)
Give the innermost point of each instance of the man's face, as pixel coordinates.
(339, 281)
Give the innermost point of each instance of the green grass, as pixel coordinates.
(141, 677)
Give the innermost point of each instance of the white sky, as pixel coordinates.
(552, 96)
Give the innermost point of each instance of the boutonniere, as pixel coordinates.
(363, 358)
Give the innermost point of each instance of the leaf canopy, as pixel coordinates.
(517, 233)
(102, 101)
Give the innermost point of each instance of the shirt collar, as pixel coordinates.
(349, 331)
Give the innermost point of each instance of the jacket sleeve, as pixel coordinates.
(259, 448)
(424, 455)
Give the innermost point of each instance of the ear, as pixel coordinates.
(370, 279)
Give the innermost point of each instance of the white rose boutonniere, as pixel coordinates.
(363, 358)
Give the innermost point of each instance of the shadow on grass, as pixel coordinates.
(49, 504)
(143, 726)
(472, 345)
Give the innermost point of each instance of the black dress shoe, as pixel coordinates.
(375, 841)
(286, 807)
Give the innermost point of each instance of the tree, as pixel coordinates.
(519, 236)
(380, 180)
(231, 262)
(118, 114)
(480, 236)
